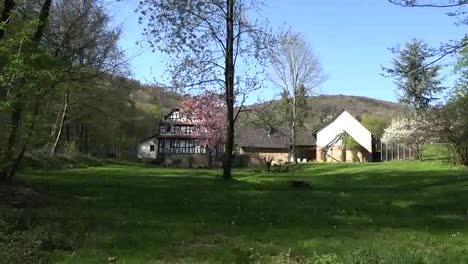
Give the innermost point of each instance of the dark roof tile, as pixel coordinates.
(261, 138)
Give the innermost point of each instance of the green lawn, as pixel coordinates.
(393, 212)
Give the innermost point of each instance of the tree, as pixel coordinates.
(12, 155)
(452, 119)
(413, 131)
(296, 70)
(208, 39)
(418, 82)
(208, 114)
(454, 8)
(375, 124)
(65, 45)
(80, 34)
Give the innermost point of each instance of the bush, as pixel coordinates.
(41, 160)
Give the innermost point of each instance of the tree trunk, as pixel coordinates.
(8, 158)
(16, 161)
(60, 127)
(229, 79)
(43, 16)
(461, 154)
(85, 143)
(8, 6)
(293, 127)
(209, 152)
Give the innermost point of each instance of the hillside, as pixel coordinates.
(319, 110)
(156, 101)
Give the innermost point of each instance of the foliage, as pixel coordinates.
(41, 160)
(51, 50)
(376, 125)
(419, 82)
(208, 114)
(62, 92)
(297, 73)
(28, 235)
(441, 123)
(355, 148)
(210, 43)
(450, 122)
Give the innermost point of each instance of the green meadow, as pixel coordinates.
(391, 212)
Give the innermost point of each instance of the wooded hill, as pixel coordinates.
(320, 109)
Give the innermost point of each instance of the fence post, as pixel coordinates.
(386, 152)
(393, 151)
(381, 151)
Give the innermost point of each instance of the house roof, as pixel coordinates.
(170, 112)
(261, 138)
(344, 122)
(324, 125)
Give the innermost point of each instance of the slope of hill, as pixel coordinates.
(319, 110)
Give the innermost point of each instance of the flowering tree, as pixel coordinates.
(399, 131)
(415, 131)
(208, 114)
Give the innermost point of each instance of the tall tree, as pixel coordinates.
(71, 46)
(454, 117)
(208, 39)
(296, 70)
(9, 160)
(419, 82)
(80, 34)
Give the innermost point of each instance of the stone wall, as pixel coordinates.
(188, 160)
(334, 154)
(257, 155)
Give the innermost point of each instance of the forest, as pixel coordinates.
(66, 86)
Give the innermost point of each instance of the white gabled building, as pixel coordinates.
(330, 140)
(148, 149)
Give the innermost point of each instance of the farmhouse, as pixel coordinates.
(175, 144)
(276, 144)
(327, 143)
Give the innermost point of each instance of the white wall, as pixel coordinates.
(144, 149)
(345, 122)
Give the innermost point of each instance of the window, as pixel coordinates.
(151, 148)
(180, 146)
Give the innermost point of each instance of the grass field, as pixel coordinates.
(393, 212)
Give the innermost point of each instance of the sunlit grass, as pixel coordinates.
(393, 212)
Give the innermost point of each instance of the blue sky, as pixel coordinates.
(351, 38)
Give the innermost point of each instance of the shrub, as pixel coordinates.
(41, 160)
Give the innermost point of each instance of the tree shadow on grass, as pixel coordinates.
(169, 211)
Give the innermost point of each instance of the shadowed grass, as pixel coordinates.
(393, 212)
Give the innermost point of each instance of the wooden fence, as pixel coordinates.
(387, 152)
